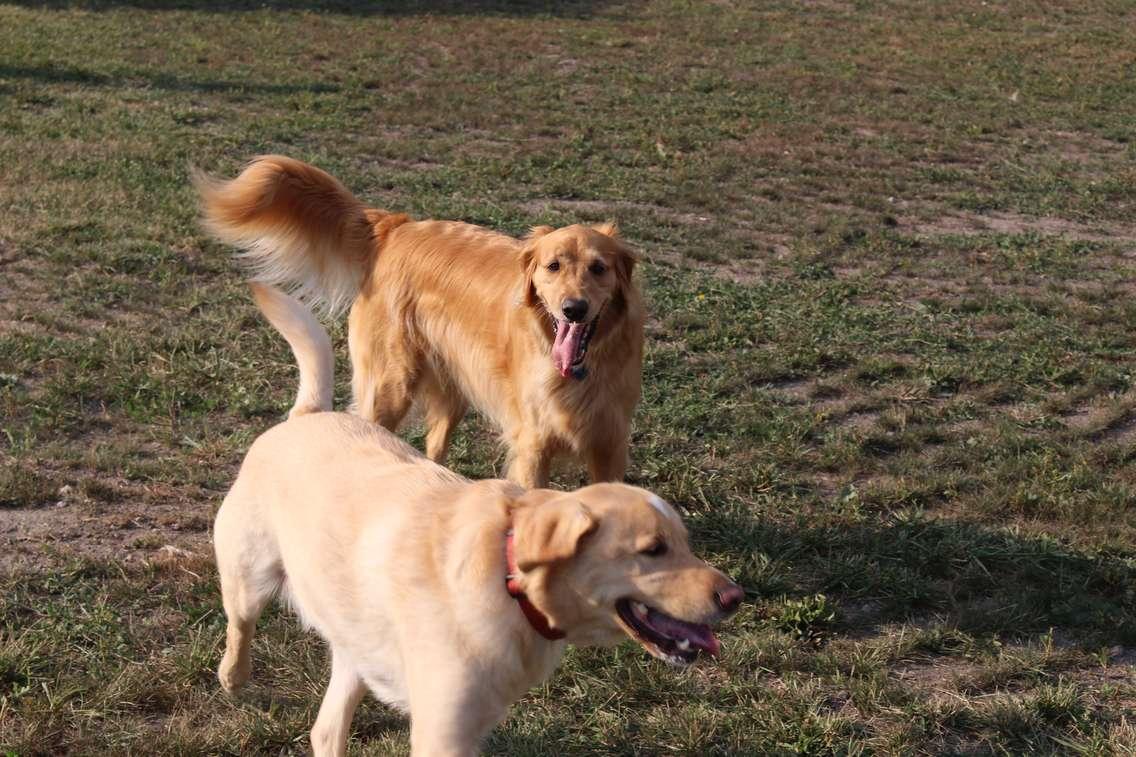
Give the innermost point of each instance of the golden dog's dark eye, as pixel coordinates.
(658, 549)
(597, 268)
(554, 266)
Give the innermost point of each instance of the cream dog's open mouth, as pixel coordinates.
(667, 638)
(570, 345)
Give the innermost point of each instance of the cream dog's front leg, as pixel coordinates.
(451, 712)
(333, 724)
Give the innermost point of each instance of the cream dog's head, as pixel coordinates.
(611, 560)
(575, 274)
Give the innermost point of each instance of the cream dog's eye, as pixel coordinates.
(597, 268)
(554, 266)
(658, 549)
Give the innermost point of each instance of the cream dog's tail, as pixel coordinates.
(299, 228)
(309, 343)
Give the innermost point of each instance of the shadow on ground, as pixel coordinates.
(71, 75)
(978, 579)
(513, 8)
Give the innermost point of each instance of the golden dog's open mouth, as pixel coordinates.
(570, 345)
(670, 639)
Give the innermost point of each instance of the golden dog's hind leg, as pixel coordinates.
(444, 410)
(333, 724)
(382, 402)
(383, 376)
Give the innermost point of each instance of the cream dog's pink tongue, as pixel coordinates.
(686, 634)
(566, 345)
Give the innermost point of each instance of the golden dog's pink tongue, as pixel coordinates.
(567, 344)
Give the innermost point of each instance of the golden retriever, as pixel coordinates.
(447, 598)
(544, 335)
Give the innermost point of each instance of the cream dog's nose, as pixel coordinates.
(730, 597)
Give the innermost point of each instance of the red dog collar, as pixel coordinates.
(537, 619)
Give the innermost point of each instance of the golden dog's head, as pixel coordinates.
(574, 274)
(611, 560)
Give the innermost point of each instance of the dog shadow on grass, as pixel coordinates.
(974, 578)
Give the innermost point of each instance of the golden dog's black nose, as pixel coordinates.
(730, 597)
(574, 310)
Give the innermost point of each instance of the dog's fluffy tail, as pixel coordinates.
(299, 228)
(309, 343)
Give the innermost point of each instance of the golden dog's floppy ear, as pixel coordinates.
(528, 262)
(548, 527)
(608, 229)
(626, 260)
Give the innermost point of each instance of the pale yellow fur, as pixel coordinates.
(400, 565)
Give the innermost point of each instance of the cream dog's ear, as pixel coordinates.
(548, 527)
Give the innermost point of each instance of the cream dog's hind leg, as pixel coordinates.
(248, 563)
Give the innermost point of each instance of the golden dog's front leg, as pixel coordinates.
(607, 457)
(531, 463)
(333, 724)
(608, 466)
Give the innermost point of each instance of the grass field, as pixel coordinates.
(890, 377)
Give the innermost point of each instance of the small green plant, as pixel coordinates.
(806, 618)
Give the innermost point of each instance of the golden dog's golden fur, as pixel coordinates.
(401, 566)
(544, 335)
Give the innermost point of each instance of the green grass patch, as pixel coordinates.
(888, 375)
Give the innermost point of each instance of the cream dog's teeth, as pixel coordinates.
(640, 609)
(684, 645)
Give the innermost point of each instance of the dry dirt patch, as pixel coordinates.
(974, 224)
(100, 515)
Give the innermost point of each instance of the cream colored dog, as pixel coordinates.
(543, 335)
(447, 598)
